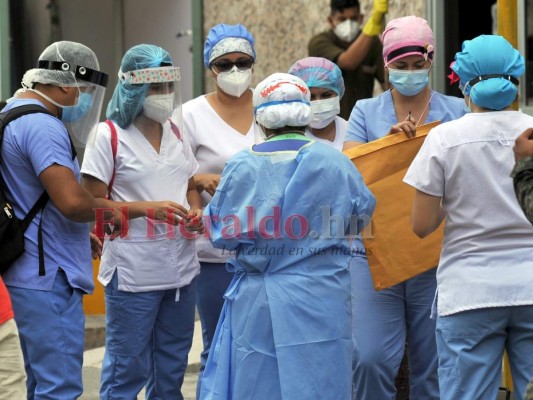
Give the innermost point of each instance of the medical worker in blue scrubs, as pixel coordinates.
(284, 332)
(38, 155)
(384, 320)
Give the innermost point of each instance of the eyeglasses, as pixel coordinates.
(224, 66)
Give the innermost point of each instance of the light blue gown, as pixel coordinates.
(284, 332)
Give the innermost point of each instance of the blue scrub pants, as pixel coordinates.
(382, 321)
(52, 329)
(148, 338)
(213, 281)
(471, 345)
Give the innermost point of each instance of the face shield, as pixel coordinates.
(163, 98)
(81, 118)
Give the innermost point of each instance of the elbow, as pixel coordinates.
(421, 232)
(72, 213)
(347, 64)
(76, 211)
(422, 228)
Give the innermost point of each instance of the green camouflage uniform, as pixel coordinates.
(523, 185)
(529, 391)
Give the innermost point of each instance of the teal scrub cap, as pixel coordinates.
(488, 67)
(128, 98)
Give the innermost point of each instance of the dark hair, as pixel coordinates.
(340, 5)
(287, 129)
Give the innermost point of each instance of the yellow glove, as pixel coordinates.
(374, 26)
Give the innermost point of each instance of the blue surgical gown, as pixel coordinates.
(284, 333)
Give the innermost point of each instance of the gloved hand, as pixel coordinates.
(374, 25)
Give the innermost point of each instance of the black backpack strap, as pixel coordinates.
(39, 205)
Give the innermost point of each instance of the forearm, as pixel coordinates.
(92, 209)
(427, 213)
(354, 55)
(194, 199)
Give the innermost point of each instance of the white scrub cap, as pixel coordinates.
(76, 57)
(282, 100)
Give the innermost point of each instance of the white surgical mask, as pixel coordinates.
(159, 107)
(346, 30)
(324, 111)
(235, 82)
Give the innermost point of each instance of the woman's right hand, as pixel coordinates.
(407, 126)
(207, 182)
(167, 211)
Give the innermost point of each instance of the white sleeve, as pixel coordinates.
(426, 172)
(189, 126)
(98, 158)
(189, 155)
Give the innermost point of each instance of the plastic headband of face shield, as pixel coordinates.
(87, 74)
(150, 75)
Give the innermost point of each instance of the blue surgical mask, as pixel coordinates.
(75, 113)
(467, 106)
(410, 82)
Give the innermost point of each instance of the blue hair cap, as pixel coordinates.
(127, 101)
(223, 31)
(483, 57)
(319, 72)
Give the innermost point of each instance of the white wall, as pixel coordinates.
(110, 27)
(157, 22)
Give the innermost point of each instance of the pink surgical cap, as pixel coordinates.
(407, 36)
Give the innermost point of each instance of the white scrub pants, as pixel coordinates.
(471, 345)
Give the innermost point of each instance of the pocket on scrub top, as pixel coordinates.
(147, 262)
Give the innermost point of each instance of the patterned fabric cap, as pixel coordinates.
(282, 100)
(220, 32)
(231, 45)
(319, 72)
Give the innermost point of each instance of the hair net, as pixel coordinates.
(128, 98)
(218, 33)
(319, 72)
(407, 36)
(282, 100)
(76, 54)
(482, 58)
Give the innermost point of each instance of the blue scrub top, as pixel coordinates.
(31, 144)
(372, 119)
